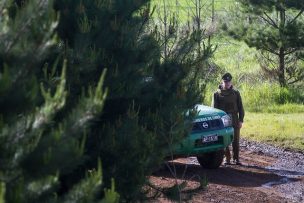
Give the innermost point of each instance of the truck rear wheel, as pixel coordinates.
(211, 160)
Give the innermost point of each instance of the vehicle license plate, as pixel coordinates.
(210, 138)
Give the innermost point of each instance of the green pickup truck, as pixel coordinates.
(212, 131)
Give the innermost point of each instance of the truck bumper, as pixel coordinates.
(197, 143)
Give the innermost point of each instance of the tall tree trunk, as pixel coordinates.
(281, 72)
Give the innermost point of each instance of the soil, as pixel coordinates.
(267, 174)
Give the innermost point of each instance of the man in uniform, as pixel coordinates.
(229, 100)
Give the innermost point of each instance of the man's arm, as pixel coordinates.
(240, 107)
(215, 102)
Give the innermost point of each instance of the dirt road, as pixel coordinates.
(267, 174)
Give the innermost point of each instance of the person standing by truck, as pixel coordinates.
(229, 100)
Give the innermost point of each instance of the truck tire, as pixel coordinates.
(211, 160)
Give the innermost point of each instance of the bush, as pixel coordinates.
(268, 97)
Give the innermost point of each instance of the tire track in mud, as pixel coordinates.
(267, 174)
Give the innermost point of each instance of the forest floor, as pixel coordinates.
(267, 174)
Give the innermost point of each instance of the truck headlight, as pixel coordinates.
(226, 121)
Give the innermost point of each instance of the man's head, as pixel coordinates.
(226, 80)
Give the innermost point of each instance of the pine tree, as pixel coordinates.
(276, 29)
(59, 128)
(144, 113)
(38, 144)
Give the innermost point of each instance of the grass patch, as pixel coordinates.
(284, 108)
(271, 98)
(285, 130)
(186, 8)
(236, 57)
(265, 98)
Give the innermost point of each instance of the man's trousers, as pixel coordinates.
(235, 146)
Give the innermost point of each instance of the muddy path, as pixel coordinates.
(267, 174)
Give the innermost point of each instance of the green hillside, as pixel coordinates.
(231, 55)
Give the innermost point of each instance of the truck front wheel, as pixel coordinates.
(211, 160)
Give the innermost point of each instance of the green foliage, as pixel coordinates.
(270, 97)
(150, 85)
(2, 192)
(87, 188)
(128, 153)
(275, 28)
(284, 130)
(267, 98)
(204, 182)
(173, 192)
(110, 194)
(58, 121)
(42, 139)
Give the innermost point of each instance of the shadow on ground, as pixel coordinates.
(232, 175)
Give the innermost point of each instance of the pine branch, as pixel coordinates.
(23, 137)
(86, 190)
(269, 20)
(297, 16)
(92, 105)
(291, 51)
(52, 103)
(40, 5)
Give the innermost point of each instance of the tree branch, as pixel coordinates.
(300, 13)
(270, 50)
(270, 60)
(296, 80)
(290, 52)
(269, 20)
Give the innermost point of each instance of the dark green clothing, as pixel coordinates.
(235, 146)
(230, 101)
